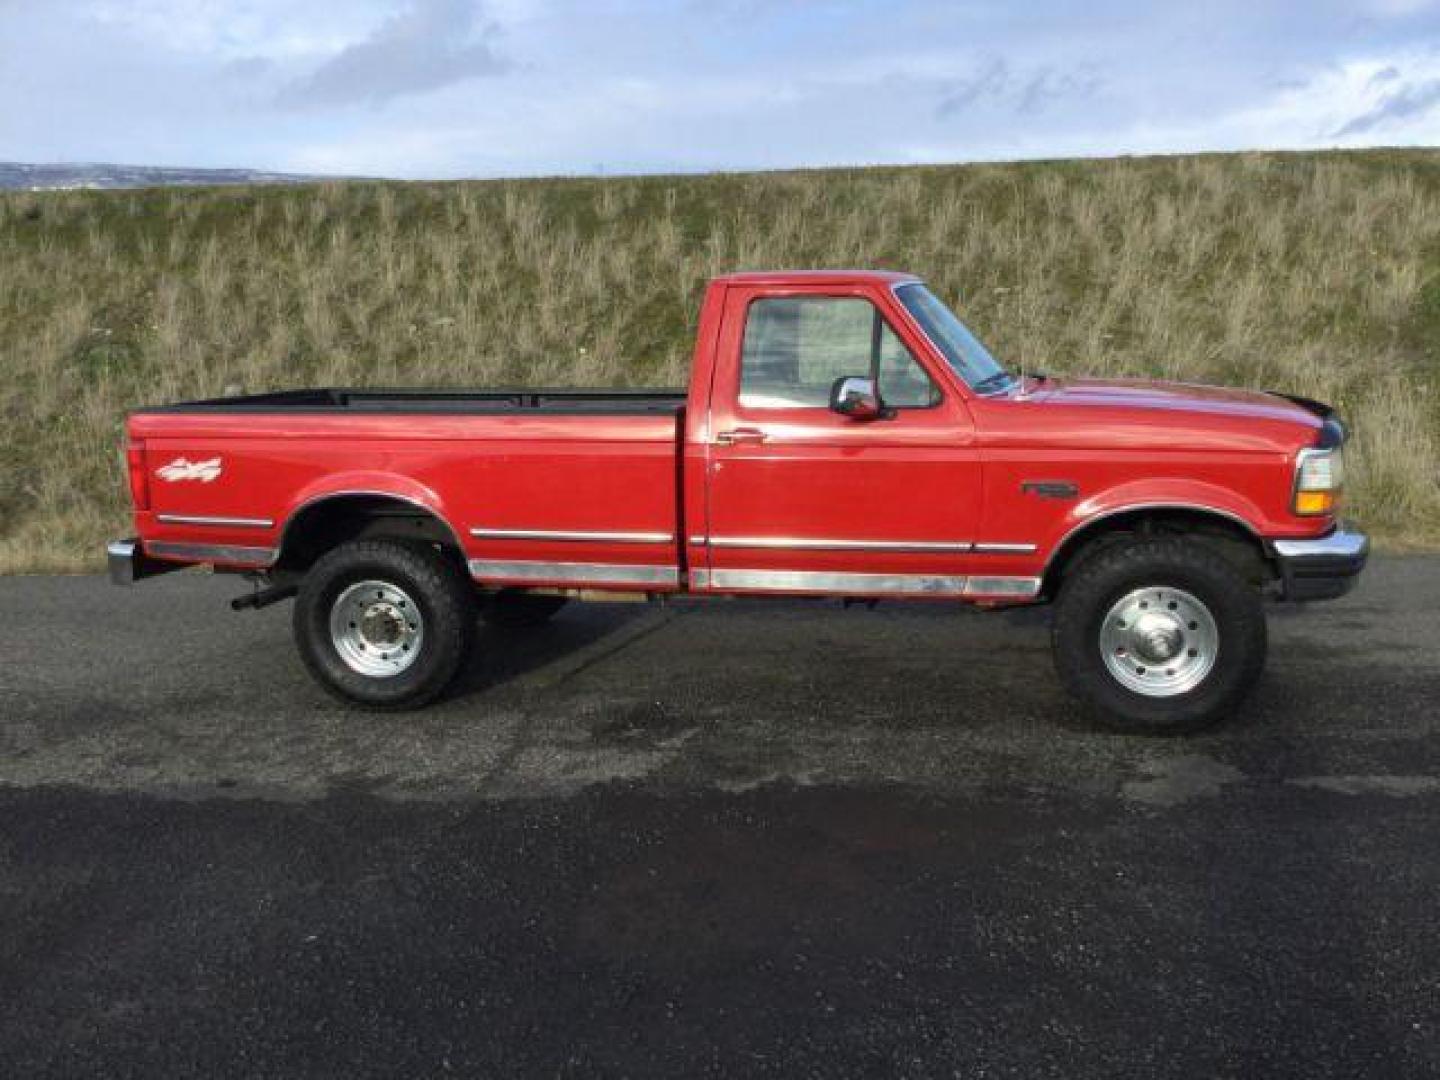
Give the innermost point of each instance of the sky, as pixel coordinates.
(449, 88)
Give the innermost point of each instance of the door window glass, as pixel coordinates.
(796, 347)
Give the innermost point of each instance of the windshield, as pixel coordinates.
(962, 350)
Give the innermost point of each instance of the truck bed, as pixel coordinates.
(557, 401)
(530, 483)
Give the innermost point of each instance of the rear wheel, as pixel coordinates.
(1163, 635)
(385, 624)
(513, 610)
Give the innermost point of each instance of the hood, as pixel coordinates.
(1151, 414)
(1176, 397)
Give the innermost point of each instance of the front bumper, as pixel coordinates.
(1323, 568)
(129, 563)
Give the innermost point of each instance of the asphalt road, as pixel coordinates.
(731, 839)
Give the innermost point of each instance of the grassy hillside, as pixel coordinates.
(1316, 273)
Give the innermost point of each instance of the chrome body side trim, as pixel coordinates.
(221, 522)
(213, 553)
(795, 543)
(1008, 587)
(575, 536)
(838, 583)
(841, 583)
(516, 570)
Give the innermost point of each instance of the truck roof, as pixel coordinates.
(817, 277)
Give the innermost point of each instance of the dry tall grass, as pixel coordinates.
(1318, 274)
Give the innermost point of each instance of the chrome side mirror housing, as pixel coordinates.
(855, 396)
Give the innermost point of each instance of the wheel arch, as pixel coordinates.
(1236, 538)
(321, 522)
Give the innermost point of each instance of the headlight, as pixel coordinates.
(1319, 480)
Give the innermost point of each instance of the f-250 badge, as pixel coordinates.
(181, 469)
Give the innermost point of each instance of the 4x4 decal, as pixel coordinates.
(181, 469)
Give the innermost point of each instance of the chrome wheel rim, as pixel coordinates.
(1159, 641)
(376, 628)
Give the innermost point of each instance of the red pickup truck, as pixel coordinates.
(844, 435)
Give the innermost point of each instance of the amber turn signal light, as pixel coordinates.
(1314, 502)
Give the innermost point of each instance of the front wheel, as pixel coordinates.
(1163, 635)
(385, 624)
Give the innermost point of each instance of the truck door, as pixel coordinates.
(803, 499)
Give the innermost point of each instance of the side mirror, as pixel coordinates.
(855, 396)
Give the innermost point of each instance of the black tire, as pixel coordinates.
(439, 589)
(1098, 583)
(516, 610)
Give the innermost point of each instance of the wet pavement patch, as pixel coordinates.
(647, 725)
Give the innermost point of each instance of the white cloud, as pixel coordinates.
(1353, 104)
(485, 87)
(427, 45)
(230, 29)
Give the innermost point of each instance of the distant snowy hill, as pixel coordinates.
(14, 176)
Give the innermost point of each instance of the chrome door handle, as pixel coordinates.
(739, 435)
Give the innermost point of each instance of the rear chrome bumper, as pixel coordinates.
(1323, 568)
(129, 563)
